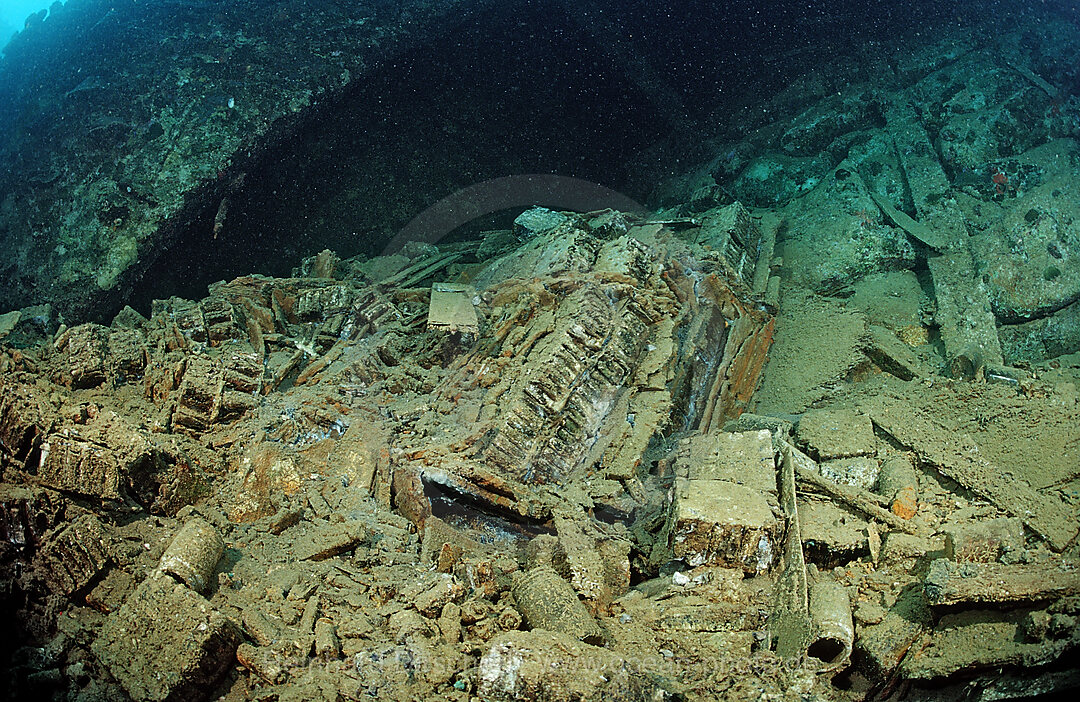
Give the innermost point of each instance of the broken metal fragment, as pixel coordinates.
(1035, 79)
(452, 309)
(789, 622)
(916, 229)
(951, 585)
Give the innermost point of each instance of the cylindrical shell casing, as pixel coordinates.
(327, 645)
(968, 364)
(899, 484)
(193, 554)
(832, 628)
(549, 602)
(261, 661)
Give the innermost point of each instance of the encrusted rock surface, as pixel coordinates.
(172, 102)
(166, 642)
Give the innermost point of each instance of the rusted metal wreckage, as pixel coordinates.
(525, 431)
(558, 365)
(526, 402)
(599, 341)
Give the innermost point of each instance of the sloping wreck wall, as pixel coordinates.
(126, 124)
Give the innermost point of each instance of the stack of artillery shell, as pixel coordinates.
(193, 554)
(549, 602)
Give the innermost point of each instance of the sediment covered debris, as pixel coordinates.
(716, 452)
(298, 413)
(337, 480)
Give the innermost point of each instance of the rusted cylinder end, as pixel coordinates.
(549, 602)
(193, 554)
(967, 365)
(898, 483)
(833, 631)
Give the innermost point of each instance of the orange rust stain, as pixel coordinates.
(746, 369)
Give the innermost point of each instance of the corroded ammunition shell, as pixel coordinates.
(830, 620)
(968, 364)
(898, 483)
(327, 645)
(548, 602)
(261, 661)
(193, 554)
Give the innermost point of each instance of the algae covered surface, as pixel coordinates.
(126, 124)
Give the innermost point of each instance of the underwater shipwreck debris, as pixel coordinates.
(952, 585)
(523, 665)
(606, 359)
(916, 229)
(521, 465)
(829, 612)
(583, 350)
(899, 484)
(520, 482)
(166, 641)
(377, 487)
(548, 602)
(451, 309)
(193, 555)
(956, 458)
